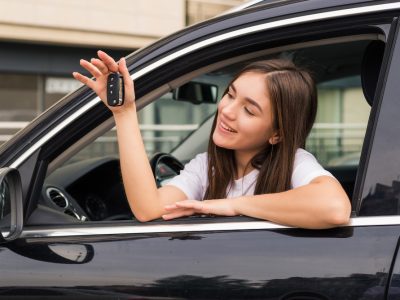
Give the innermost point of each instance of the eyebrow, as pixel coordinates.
(251, 101)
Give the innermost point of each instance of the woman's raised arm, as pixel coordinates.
(146, 201)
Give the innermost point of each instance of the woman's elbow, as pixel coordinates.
(339, 213)
(143, 218)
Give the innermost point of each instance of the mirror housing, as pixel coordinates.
(196, 93)
(11, 212)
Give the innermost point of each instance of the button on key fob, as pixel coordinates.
(115, 90)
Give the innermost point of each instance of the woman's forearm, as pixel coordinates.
(143, 197)
(140, 187)
(320, 204)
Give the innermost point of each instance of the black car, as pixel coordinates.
(67, 230)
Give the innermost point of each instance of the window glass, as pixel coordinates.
(338, 133)
(166, 122)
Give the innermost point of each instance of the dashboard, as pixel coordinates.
(91, 190)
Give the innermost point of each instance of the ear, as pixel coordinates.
(274, 139)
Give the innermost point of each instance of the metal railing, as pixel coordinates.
(328, 141)
(8, 129)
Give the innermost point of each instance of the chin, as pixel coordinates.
(219, 142)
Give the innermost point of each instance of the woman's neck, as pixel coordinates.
(243, 165)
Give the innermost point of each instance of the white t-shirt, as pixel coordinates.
(193, 179)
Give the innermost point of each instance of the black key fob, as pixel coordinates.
(115, 90)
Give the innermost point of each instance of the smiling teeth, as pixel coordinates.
(227, 128)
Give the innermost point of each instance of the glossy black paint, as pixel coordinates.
(277, 263)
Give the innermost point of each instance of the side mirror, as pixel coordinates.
(196, 93)
(11, 216)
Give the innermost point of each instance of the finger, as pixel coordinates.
(170, 207)
(108, 61)
(128, 83)
(91, 68)
(189, 204)
(167, 217)
(100, 65)
(198, 206)
(85, 80)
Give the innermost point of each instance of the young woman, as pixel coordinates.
(255, 164)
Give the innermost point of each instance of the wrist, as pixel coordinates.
(124, 111)
(235, 205)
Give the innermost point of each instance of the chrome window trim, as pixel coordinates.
(137, 228)
(54, 131)
(208, 42)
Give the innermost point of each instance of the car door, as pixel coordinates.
(214, 257)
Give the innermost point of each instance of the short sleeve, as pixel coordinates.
(306, 168)
(192, 180)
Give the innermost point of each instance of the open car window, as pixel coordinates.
(88, 186)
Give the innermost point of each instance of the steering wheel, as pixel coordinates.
(164, 166)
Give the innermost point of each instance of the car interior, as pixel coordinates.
(81, 188)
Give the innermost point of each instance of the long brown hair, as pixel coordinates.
(293, 99)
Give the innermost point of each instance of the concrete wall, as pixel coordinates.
(117, 23)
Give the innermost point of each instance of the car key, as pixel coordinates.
(115, 90)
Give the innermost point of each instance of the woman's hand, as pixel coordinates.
(221, 207)
(100, 68)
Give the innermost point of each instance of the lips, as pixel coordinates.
(225, 127)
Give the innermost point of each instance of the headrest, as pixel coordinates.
(370, 67)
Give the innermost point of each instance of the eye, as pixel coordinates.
(230, 96)
(248, 111)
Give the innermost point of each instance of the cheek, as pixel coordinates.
(256, 129)
(221, 104)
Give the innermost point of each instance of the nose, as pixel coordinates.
(228, 109)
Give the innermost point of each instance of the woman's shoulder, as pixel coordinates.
(201, 157)
(200, 161)
(303, 158)
(302, 154)
(301, 151)
(305, 168)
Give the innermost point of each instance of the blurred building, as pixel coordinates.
(41, 42)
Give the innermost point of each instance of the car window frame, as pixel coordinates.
(244, 57)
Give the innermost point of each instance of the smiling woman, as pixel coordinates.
(260, 129)
(271, 128)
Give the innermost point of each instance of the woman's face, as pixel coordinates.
(244, 121)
